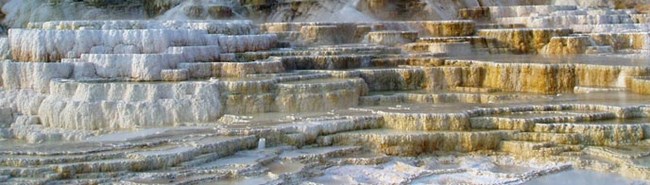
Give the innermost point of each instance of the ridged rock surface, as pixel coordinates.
(324, 92)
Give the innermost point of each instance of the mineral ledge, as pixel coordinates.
(325, 92)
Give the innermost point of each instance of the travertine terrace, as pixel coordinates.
(325, 92)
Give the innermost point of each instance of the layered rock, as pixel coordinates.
(139, 67)
(639, 85)
(38, 45)
(319, 95)
(414, 143)
(522, 11)
(228, 27)
(391, 38)
(242, 43)
(434, 28)
(393, 79)
(449, 49)
(567, 45)
(327, 34)
(336, 100)
(124, 105)
(600, 135)
(547, 78)
(36, 76)
(521, 40)
(204, 70)
(570, 20)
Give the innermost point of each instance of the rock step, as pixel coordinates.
(358, 49)
(395, 142)
(100, 176)
(210, 53)
(139, 67)
(641, 18)
(230, 27)
(372, 159)
(394, 79)
(586, 89)
(201, 159)
(26, 181)
(243, 163)
(414, 97)
(567, 20)
(97, 169)
(26, 160)
(645, 141)
(397, 61)
(623, 154)
(169, 155)
(202, 179)
(319, 95)
(440, 48)
(527, 148)
(391, 38)
(94, 178)
(242, 43)
(174, 176)
(170, 103)
(251, 159)
(258, 102)
(322, 85)
(526, 10)
(326, 62)
(82, 148)
(567, 45)
(558, 138)
(103, 166)
(299, 130)
(585, 127)
(141, 41)
(29, 172)
(85, 181)
(534, 39)
(425, 121)
(599, 134)
(523, 145)
(319, 51)
(492, 13)
(295, 76)
(599, 50)
(557, 150)
(473, 89)
(612, 28)
(514, 121)
(160, 157)
(640, 85)
(572, 154)
(475, 41)
(291, 36)
(246, 86)
(434, 27)
(262, 55)
(502, 25)
(320, 153)
(174, 74)
(231, 69)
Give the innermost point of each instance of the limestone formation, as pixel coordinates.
(324, 92)
(521, 41)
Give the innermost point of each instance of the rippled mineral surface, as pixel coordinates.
(325, 92)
